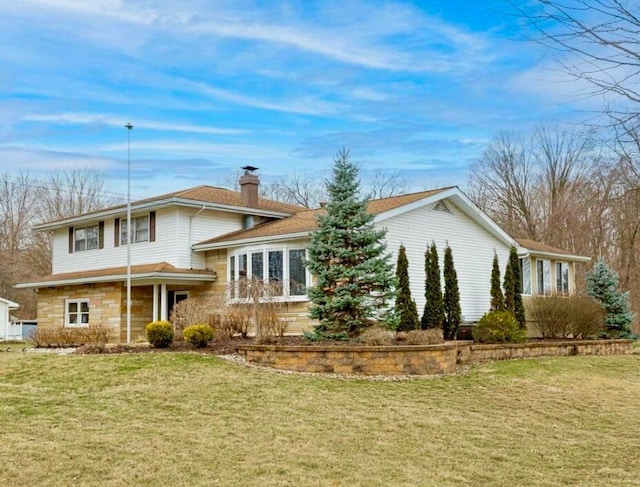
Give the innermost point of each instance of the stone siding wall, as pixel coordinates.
(105, 305)
(416, 359)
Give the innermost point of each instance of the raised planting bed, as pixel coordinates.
(415, 359)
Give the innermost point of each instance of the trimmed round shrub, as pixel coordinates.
(198, 335)
(159, 333)
(499, 327)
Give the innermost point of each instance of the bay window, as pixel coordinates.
(281, 268)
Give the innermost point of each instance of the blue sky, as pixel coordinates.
(419, 87)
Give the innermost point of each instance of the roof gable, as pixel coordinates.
(303, 223)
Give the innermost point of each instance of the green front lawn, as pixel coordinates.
(187, 419)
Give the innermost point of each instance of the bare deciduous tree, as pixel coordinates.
(25, 201)
(596, 41)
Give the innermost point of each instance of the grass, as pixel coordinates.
(190, 419)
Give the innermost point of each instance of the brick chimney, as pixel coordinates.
(249, 184)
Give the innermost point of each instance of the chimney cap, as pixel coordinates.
(249, 169)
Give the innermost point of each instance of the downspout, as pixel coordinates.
(190, 225)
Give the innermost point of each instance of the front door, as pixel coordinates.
(174, 298)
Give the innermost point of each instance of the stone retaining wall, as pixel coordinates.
(416, 359)
(470, 352)
(359, 360)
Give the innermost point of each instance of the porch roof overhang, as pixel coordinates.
(531, 248)
(140, 274)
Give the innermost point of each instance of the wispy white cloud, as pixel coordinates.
(308, 105)
(111, 120)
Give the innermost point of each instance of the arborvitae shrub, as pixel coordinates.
(451, 298)
(159, 333)
(497, 298)
(512, 288)
(198, 335)
(498, 327)
(433, 309)
(406, 308)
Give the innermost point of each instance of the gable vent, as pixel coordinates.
(441, 206)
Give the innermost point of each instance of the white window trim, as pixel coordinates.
(79, 302)
(123, 224)
(286, 296)
(86, 238)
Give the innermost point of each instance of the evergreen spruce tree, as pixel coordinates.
(497, 298)
(512, 288)
(451, 299)
(405, 306)
(433, 310)
(603, 285)
(347, 255)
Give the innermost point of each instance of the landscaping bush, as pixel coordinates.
(432, 336)
(376, 335)
(498, 327)
(239, 320)
(198, 335)
(222, 329)
(559, 316)
(70, 337)
(159, 333)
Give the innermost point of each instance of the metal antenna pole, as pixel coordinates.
(129, 126)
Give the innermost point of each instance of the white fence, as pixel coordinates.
(12, 332)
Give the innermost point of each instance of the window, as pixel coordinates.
(232, 276)
(297, 273)
(86, 238)
(257, 265)
(276, 271)
(525, 273)
(562, 277)
(544, 276)
(283, 268)
(77, 312)
(140, 226)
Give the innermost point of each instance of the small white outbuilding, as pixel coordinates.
(8, 331)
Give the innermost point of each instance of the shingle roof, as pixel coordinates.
(206, 194)
(157, 268)
(541, 247)
(306, 221)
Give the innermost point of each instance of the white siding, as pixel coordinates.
(472, 248)
(172, 242)
(205, 225)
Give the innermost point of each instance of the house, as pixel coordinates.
(8, 331)
(206, 240)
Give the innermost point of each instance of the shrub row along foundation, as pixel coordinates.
(416, 359)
